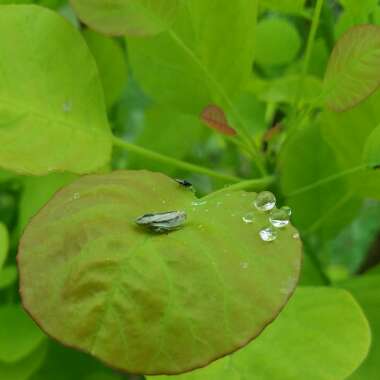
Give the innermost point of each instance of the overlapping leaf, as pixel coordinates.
(149, 303)
(366, 291)
(131, 17)
(52, 113)
(307, 341)
(353, 71)
(204, 58)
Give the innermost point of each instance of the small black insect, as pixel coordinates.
(184, 182)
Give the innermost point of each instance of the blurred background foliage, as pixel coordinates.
(339, 221)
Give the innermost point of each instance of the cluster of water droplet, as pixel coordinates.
(278, 217)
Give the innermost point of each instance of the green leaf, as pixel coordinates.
(62, 363)
(137, 300)
(19, 336)
(347, 134)
(52, 113)
(285, 89)
(168, 132)
(286, 6)
(309, 340)
(110, 59)
(194, 70)
(372, 148)
(23, 369)
(353, 70)
(132, 17)
(36, 192)
(326, 208)
(8, 276)
(366, 291)
(278, 42)
(354, 13)
(4, 244)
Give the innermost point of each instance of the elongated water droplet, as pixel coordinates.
(248, 217)
(287, 209)
(279, 218)
(198, 203)
(268, 234)
(265, 201)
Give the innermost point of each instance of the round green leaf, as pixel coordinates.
(52, 112)
(278, 42)
(4, 244)
(19, 336)
(321, 335)
(353, 70)
(132, 17)
(153, 303)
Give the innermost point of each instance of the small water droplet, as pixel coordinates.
(268, 234)
(206, 210)
(248, 218)
(287, 209)
(265, 201)
(228, 194)
(218, 204)
(76, 196)
(163, 202)
(296, 235)
(244, 265)
(67, 106)
(279, 218)
(198, 203)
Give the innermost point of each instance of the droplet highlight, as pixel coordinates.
(287, 209)
(265, 201)
(279, 218)
(268, 234)
(198, 203)
(76, 196)
(296, 235)
(248, 218)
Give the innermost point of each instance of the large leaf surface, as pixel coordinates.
(52, 113)
(309, 340)
(112, 66)
(148, 303)
(353, 71)
(203, 59)
(366, 291)
(131, 17)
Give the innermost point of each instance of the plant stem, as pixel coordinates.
(253, 184)
(309, 50)
(172, 161)
(328, 179)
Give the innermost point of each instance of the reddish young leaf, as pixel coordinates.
(214, 117)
